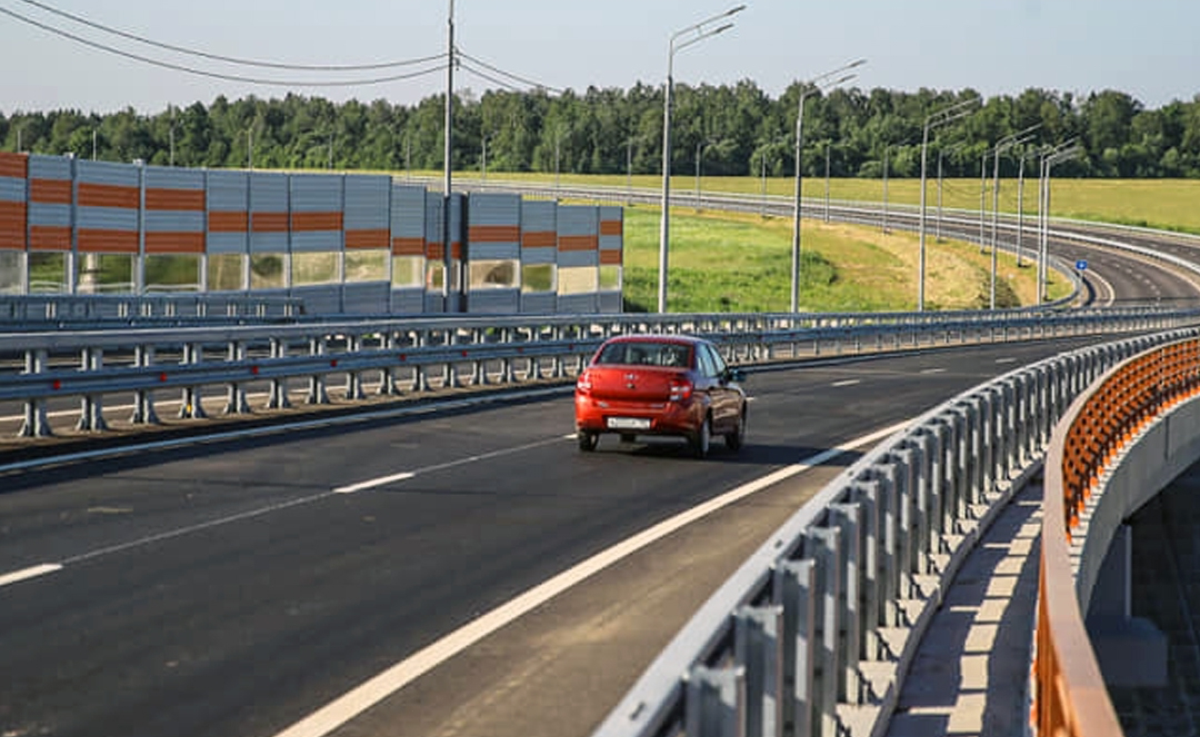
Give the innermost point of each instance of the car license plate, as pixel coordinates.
(628, 423)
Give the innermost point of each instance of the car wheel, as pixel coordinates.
(628, 437)
(701, 441)
(736, 439)
(588, 440)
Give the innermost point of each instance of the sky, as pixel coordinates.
(1148, 48)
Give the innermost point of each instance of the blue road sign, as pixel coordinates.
(1081, 265)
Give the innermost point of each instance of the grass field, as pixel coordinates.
(724, 262)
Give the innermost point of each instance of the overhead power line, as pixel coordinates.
(231, 59)
(494, 80)
(516, 78)
(218, 75)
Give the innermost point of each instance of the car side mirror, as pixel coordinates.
(735, 375)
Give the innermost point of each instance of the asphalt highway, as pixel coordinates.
(237, 588)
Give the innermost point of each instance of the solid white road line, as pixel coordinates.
(934, 371)
(373, 483)
(847, 382)
(28, 573)
(1006, 360)
(344, 708)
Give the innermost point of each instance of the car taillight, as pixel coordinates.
(583, 384)
(681, 389)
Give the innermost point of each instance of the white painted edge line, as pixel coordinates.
(1005, 360)
(373, 483)
(934, 371)
(847, 382)
(27, 573)
(354, 702)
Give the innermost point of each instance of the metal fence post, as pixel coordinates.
(192, 406)
(143, 400)
(822, 546)
(758, 649)
(795, 589)
(279, 390)
(846, 519)
(716, 702)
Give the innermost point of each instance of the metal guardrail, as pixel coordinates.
(35, 311)
(92, 365)
(814, 633)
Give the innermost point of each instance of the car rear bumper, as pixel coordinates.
(666, 418)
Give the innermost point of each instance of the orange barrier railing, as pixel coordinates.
(1070, 697)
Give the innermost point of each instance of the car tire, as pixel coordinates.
(588, 440)
(628, 437)
(702, 439)
(736, 439)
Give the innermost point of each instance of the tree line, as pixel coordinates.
(733, 130)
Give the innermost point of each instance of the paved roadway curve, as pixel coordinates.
(229, 590)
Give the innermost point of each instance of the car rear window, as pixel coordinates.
(646, 354)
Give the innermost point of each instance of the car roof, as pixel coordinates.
(657, 338)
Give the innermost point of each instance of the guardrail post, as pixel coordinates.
(37, 423)
(866, 494)
(237, 404)
(192, 408)
(420, 377)
(91, 415)
(316, 383)
(795, 589)
(716, 702)
(354, 382)
(758, 649)
(846, 519)
(387, 377)
(279, 386)
(822, 546)
(143, 399)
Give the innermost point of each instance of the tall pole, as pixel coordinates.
(795, 302)
(172, 136)
(447, 160)
(762, 203)
(828, 147)
(329, 162)
(982, 197)
(816, 83)
(938, 118)
(886, 150)
(699, 32)
(250, 149)
(94, 145)
(483, 161)
(1020, 206)
(629, 171)
(995, 223)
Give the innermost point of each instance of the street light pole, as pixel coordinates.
(828, 149)
(815, 84)
(1062, 152)
(699, 31)
(938, 118)
(1004, 144)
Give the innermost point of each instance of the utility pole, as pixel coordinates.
(828, 148)
(448, 163)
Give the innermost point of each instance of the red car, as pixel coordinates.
(660, 385)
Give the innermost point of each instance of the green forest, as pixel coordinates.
(734, 130)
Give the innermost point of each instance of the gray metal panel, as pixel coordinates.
(433, 303)
(367, 201)
(268, 192)
(268, 242)
(539, 255)
(494, 209)
(41, 214)
(316, 240)
(174, 221)
(408, 301)
(494, 302)
(320, 300)
(539, 216)
(49, 167)
(577, 304)
(493, 251)
(168, 177)
(372, 298)
(408, 212)
(228, 191)
(539, 303)
(316, 192)
(107, 218)
(12, 189)
(226, 243)
(433, 219)
(611, 302)
(578, 220)
(108, 172)
(578, 258)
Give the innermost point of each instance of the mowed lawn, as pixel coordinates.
(726, 262)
